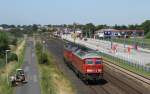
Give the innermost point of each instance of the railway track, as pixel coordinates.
(139, 77)
(96, 89)
(127, 88)
(106, 61)
(128, 73)
(123, 85)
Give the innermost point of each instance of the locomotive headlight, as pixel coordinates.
(89, 70)
(99, 70)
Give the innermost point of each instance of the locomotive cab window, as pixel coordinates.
(98, 62)
(68, 46)
(89, 61)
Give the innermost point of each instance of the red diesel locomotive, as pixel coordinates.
(87, 65)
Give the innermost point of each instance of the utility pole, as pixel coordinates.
(90, 34)
(135, 42)
(111, 42)
(43, 48)
(74, 27)
(143, 39)
(86, 34)
(111, 36)
(124, 40)
(6, 65)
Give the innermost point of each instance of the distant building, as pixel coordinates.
(78, 31)
(7, 29)
(108, 33)
(1, 28)
(44, 27)
(39, 26)
(104, 33)
(21, 29)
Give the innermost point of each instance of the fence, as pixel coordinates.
(144, 43)
(137, 68)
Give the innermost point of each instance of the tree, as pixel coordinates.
(120, 27)
(16, 32)
(131, 27)
(148, 35)
(34, 27)
(12, 26)
(146, 26)
(134, 27)
(98, 27)
(89, 29)
(4, 42)
(14, 41)
(4, 26)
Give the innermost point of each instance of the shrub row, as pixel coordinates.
(42, 56)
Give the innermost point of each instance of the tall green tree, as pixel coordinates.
(120, 27)
(98, 27)
(146, 26)
(34, 27)
(4, 42)
(89, 29)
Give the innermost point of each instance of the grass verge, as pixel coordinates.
(5, 88)
(52, 80)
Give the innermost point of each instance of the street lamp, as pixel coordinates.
(124, 40)
(43, 46)
(6, 64)
(6, 55)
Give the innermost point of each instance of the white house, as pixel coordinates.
(1, 28)
(108, 33)
(104, 33)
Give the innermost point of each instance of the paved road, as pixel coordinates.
(32, 87)
(111, 84)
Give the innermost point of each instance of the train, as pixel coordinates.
(88, 65)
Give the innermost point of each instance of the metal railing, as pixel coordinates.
(135, 67)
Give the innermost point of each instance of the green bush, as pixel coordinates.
(42, 56)
(39, 47)
(2, 63)
(148, 35)
(14, 41)
(12, 57)
(4, 41)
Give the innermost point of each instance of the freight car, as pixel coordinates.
(86, 64)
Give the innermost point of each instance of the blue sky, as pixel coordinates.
(68, 11)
